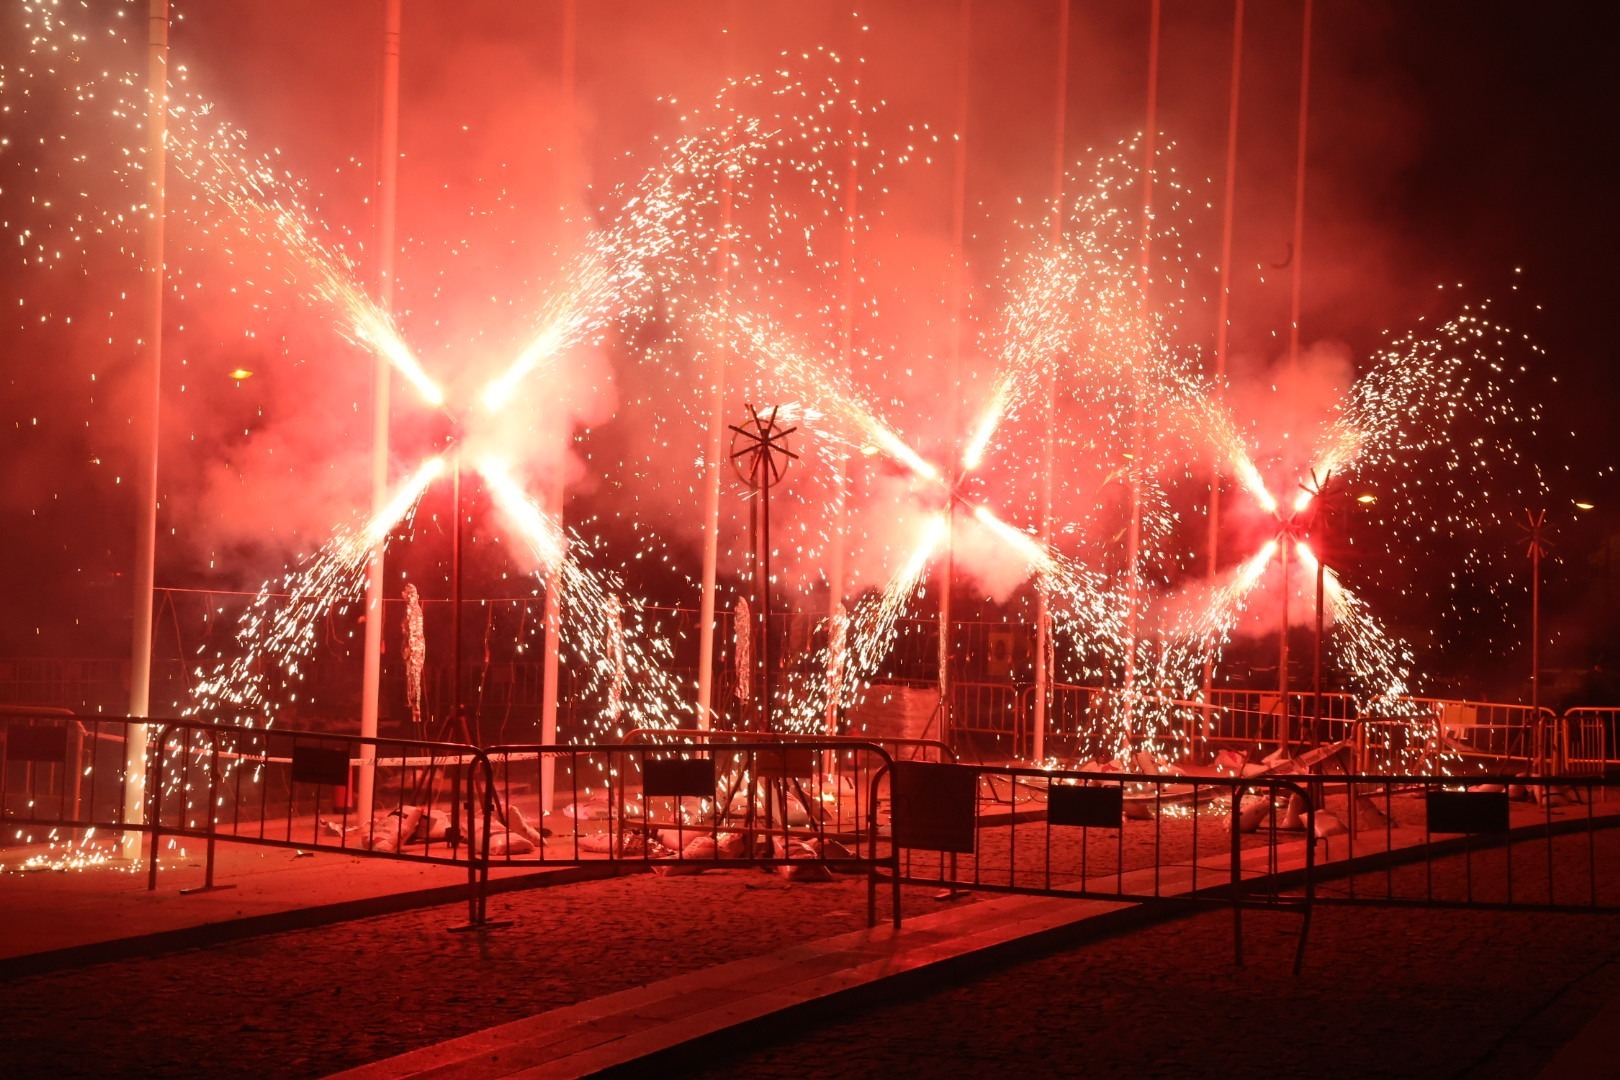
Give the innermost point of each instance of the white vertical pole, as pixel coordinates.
(958, 304)
(1223, 311)
(836, 572)
(149, 372)
(1043, 614)
(1293, 320)
(381, 373)
(715, 447)
(1133, 538)
(1297, 259)
(550, 669)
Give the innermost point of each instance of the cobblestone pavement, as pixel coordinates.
(312, 1002)
(1386, 992)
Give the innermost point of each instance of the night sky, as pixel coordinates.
(1458, 154)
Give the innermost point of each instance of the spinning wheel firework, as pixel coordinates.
(759, 450)
(759, 453)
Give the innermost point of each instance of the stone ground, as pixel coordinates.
(1385, 992)
(312, 1002)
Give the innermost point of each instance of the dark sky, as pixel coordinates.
(1456, 150)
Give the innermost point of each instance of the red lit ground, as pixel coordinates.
(1384, 992)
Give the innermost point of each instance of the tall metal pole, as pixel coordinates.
(1294, 313)
(550, 669)
(762, 592)
(1535, 630)
(149, 376)
(381, 373)
(1298, 254)
(460, 721)
(846, 304)
(1133, 540)
(1316, 676)
(715, 453)
(1223, 312)
(958, 303)
(1282, 657)
(1535, 532)
(1043, 614)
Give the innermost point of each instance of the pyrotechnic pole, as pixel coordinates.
(716, 447)
(1298, 253)
(1133, 540)
(1535, 632)
(1043, 614)
(460, 721)
(1287, 540)
(1223, 308)
(550, 669)
(149, 372)
(1535, 548)
(846, 304)
(381, 372)
(1316, 663)
(958, 303)
(1297, 256)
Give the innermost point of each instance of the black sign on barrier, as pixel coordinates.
(789, 763)
(935, 806)
(1088, 807)
(1468, 811)
(678, 777)
(31, 742)
(327, 765)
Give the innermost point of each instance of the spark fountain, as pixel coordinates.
(761, 187)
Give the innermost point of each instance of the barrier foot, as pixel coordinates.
(205, 888)
(473, 928)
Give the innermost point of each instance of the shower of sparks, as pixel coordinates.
(629, 668)
(758, 191)
(278, 632)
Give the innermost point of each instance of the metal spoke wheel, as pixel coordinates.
(759, 448)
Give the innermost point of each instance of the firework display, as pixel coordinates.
(763, 251)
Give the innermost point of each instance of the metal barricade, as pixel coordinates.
(897, 748)
(62, 776)
(1067, 734)
(1503, 842)
(1586, 737)
(1488, 733)
(293, 789)
(1256, 719)
(685, 801)
(987, 715)
(1135, 837)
